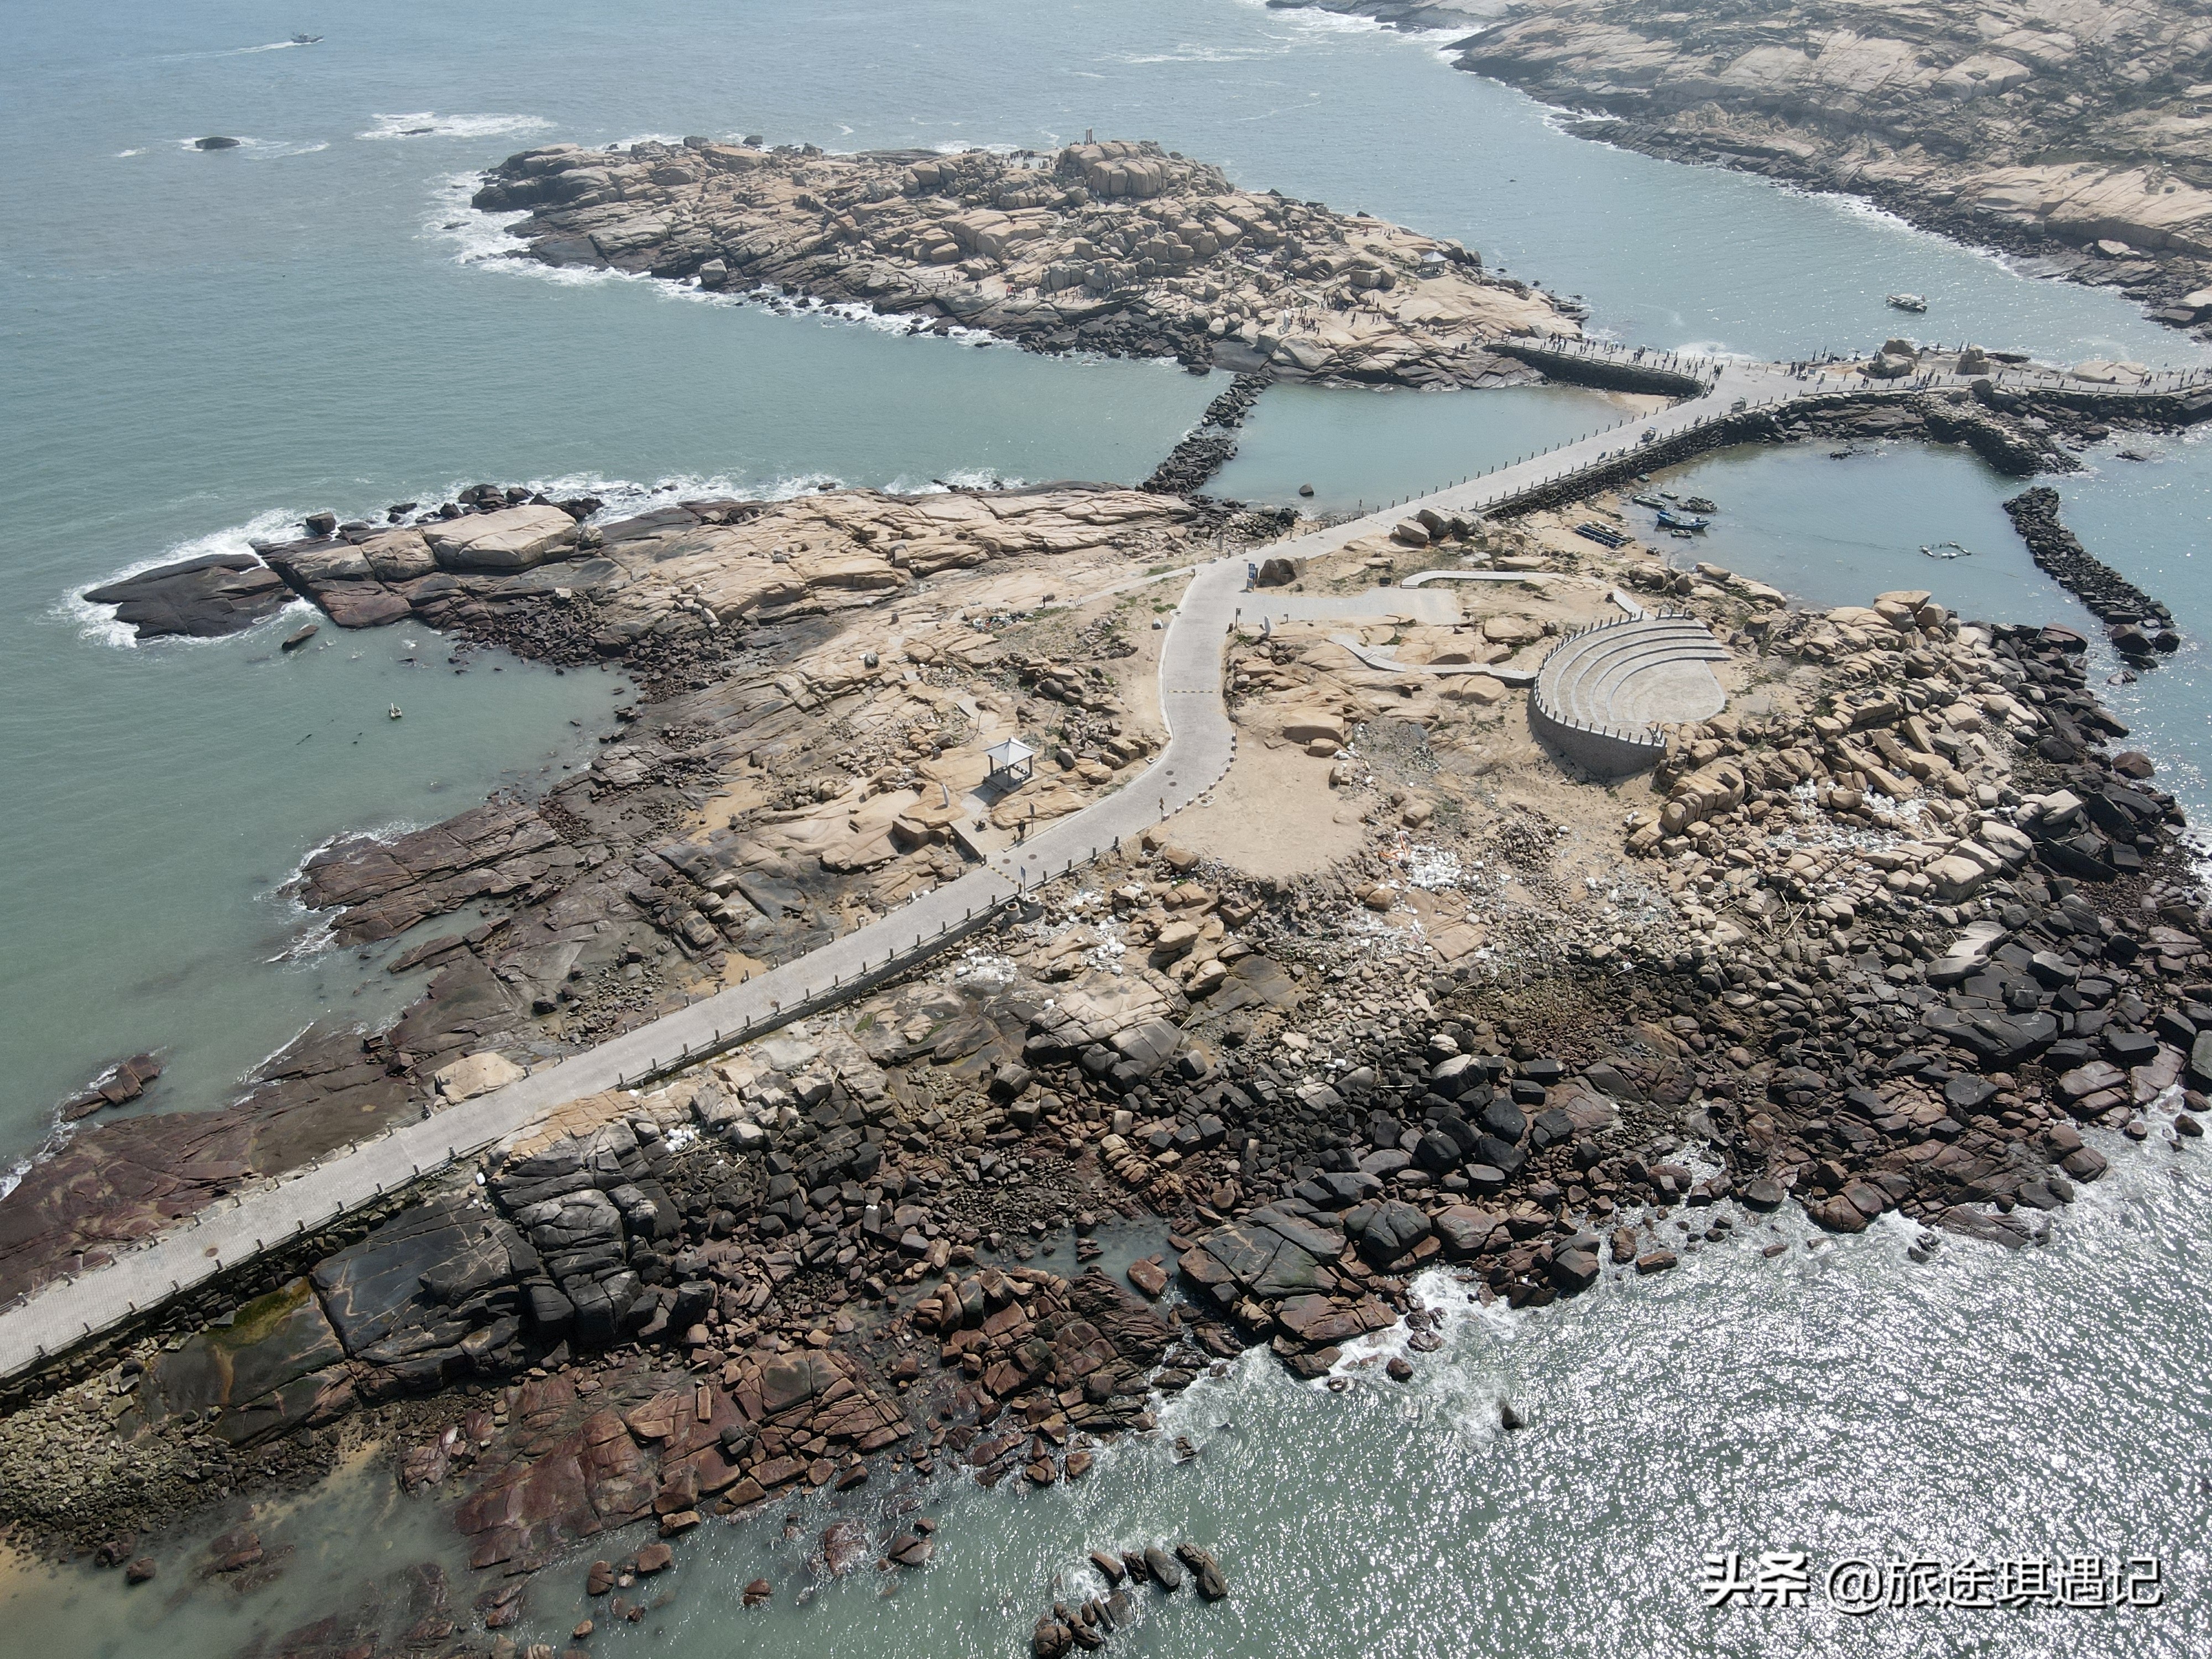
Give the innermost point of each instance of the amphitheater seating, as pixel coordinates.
(1601, 693)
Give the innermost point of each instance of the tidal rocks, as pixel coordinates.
(199, 598)
(383, 887)
(276, 1366)
(433, 1294)
(119, 1181)
(1120, 247)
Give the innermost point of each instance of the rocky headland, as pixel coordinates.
(1898, 930)
(2067, 130)
(1116, 247)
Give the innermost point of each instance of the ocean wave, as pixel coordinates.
(427, 123)
(261, 149)
(96, 623)
(121, 155)
(479, 237)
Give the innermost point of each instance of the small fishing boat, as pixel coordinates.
(307, 39)
(1946, 550)
(1669, 519)
(1700, 504)
(392, 713)
(1912, 302)
(1652, 502)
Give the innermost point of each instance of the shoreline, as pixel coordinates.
(1287, 1229)
(1977, 176)
(1313, 1076)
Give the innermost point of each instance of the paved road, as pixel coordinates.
(1201, 744)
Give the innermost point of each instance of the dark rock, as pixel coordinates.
(199, 598)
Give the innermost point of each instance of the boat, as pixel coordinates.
(1652, 502)
(1681, 521)
(1912, 302)
(1699, 504)
(392, 713)
(306, 39)
(1946, 550)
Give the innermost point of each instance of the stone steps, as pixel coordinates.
(1601, 693)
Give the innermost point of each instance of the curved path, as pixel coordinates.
(1201, 744)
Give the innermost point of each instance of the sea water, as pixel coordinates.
(198, 346)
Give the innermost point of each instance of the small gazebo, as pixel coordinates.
(1009, 763)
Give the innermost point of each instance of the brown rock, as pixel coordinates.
(1150, 1277)
(655, 1557)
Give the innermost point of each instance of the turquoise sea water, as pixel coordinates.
(197, 346)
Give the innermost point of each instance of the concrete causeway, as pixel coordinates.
(1201, 744)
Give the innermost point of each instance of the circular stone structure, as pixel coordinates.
(1601, 695)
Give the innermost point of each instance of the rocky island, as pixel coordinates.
(1117, 246)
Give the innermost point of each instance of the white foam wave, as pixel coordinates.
(964, 478)
(480, 237)
(428, 124)
(229, 52)
(96, 623)
(121, 154)
(259, 150)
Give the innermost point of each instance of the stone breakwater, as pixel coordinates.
(1118, 247)
(1208, 446)
(2140, 624)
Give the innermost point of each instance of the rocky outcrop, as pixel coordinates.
(1112, 247)
(438, 1293)
(198, 598)
(685, 576)
(125, 1179)
(275, 1365)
